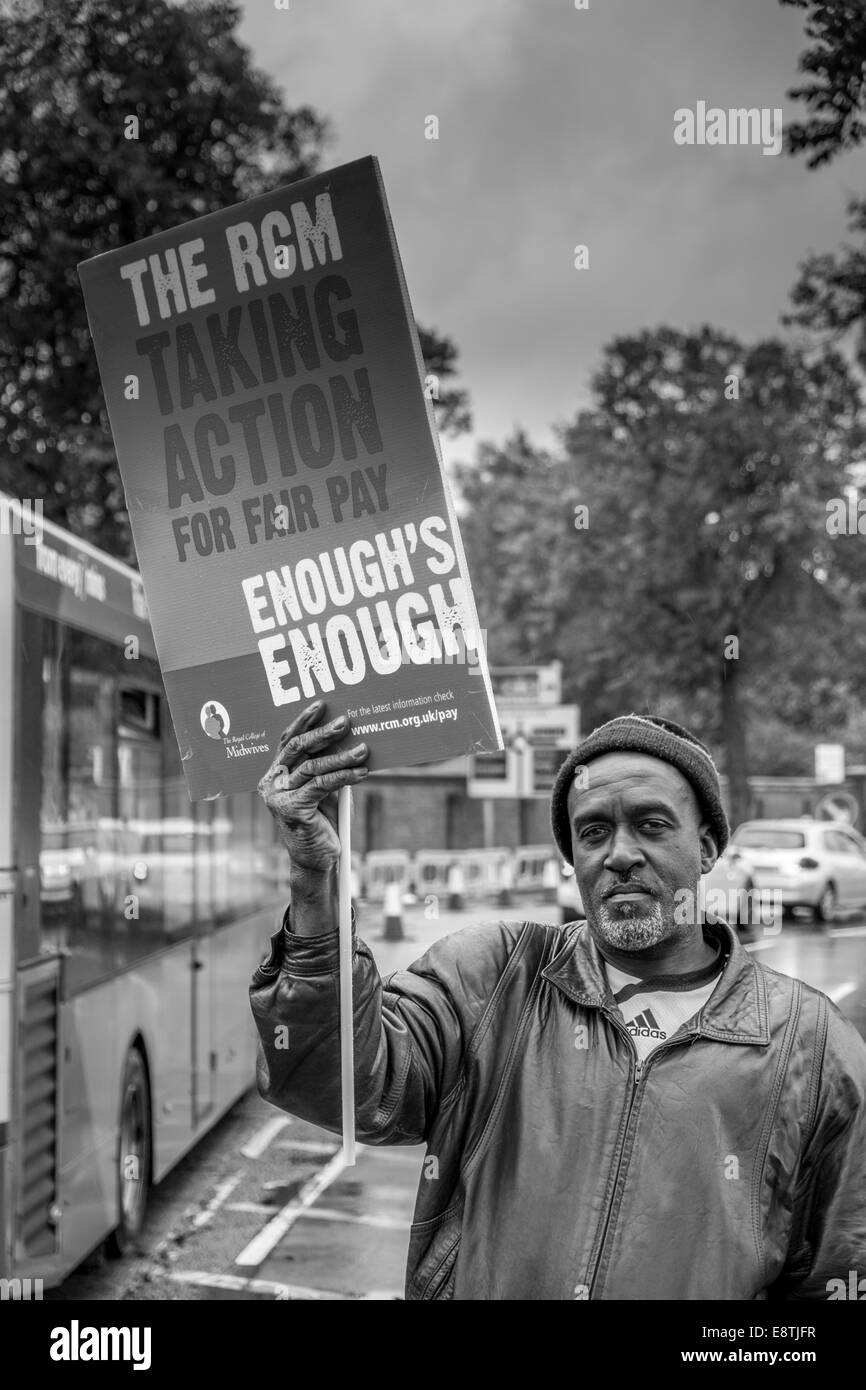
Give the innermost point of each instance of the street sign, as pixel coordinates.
(838, 805)
(527, 685)
(494, 774)
(537, 739)
(546, 763)
(830, 763)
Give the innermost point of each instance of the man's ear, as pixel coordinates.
(709, 847)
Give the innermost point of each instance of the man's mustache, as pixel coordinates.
(632, 886)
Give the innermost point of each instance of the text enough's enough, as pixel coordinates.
(378, 637)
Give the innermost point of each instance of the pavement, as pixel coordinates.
(266, 1208)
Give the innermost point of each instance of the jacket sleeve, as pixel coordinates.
(410, 1031)
(832, 1231)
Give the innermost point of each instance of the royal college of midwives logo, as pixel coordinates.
(216, 722)
(215, 719)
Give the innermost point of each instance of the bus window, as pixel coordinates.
(139, 764)
(205, 885)
(79, 857)
(173, 853)
(108, 861)
(55, 873)
(247, 854)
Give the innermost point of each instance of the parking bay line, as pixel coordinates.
(392, 1155)
(261, 1245)
(255, 1147)
(236, 1283)
(308, 1146)
(841, 991)
(382, 1223)
(224, 1190)
(324, 1149)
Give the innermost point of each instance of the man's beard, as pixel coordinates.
(631, 927)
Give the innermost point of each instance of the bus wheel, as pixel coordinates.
(133, 1155)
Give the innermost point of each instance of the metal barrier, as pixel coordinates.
(384, 866)
(430, 871)
(482, 870)
(529, 867)
(357, 874)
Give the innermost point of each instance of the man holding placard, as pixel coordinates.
(629, 1107)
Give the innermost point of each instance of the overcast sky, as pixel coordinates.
(556, 128)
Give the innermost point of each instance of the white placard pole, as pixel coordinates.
(347, 1040)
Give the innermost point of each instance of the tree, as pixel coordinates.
(511, 531)
(674, 553)
(212, 130)
(451, 406)
(836, 93)
(829, 297)
(707, 566)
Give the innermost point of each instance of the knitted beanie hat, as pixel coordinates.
(642, 733)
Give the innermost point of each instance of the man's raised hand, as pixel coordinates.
(300, 787)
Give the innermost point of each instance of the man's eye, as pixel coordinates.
(655, 824)
(592, 832)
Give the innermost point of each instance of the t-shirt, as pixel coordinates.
(653, 1010)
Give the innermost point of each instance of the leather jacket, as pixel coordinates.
(731, 1164)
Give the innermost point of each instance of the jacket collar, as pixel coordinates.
(735, 1012)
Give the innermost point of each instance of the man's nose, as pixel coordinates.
(624, 851)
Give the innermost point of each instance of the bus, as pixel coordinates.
(131, 919)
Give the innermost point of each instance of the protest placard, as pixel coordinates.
(293, 523)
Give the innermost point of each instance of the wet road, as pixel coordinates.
(265, 1208)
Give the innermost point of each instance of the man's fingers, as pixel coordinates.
(300, 745)
(309, 715)
(303, 723)
(295, 803)
(332, 762)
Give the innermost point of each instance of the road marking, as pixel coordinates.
(224, 1190)
(236, 1284)
(308, 1146)
(842, 991)
(256, 1146)
(391, 1155)
(383, 1223)
(261, 1245)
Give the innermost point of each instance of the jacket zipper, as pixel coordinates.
(639, 1068)
(635, 1081)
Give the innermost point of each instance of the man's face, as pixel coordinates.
(637, 838)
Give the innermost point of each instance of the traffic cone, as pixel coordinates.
(549, 881)
(456, 888)
(393, 914)
(506, 883)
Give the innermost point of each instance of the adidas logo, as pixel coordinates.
(645, 1025)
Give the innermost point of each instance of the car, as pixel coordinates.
(817, 864)
(730, 876)
(728, 891)
(568, 894)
